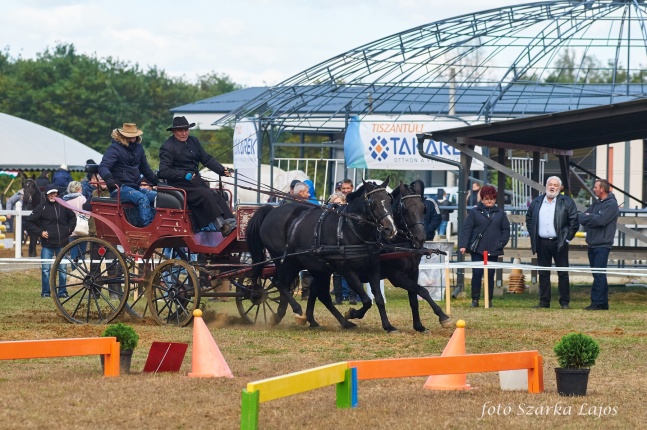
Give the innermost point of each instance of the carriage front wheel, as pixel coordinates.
(89, 281)
(173, 293)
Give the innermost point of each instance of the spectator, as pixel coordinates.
(54, 224)
(432, 218)
(444, 213)
(338, 187)
(61, 178)
(11, 203)
(491, 224)
(474, 196)
(122, 167)
(600, 221)
(552, 223)
(75, 198)
(42, 181)
(346, 186)
(180, 157)
(92, 177)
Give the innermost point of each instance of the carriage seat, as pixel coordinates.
(169, 199)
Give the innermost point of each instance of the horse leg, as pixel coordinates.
(33, 239)
(379, 302)
(415, 312)
(322, 289)
(402, 280)
(374, 280)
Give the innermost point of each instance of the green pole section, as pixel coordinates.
(344, 390)
(249, 406)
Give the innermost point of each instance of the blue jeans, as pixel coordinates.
(78, 250)
(442, 228)
(47, 254)
(598, 258)
(144, 199)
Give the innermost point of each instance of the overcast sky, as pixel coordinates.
(254, 42)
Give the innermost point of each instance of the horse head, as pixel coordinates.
(409, 213)
(31, 194)
(378, 205)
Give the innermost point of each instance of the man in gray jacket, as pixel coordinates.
(600, 220)
(552, 223)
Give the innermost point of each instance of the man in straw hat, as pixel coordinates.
(122, 167)
(180, 157)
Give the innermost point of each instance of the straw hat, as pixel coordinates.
(130, 130)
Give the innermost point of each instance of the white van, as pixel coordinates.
(452, 195)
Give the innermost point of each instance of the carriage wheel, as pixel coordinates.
(259, 301)
(93, 275)
(173, 293)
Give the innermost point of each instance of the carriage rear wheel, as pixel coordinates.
(89, 281)
(173, 293)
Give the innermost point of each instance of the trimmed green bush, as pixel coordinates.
(576, 351)
(125, 334)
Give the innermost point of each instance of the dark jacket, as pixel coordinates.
(125, 162)
(61, 178)
(179, 158)
(42, 181)
(432, 218)
(495, 235)
(58, 221)
(565, 222)
(444, 213)
(601, 222)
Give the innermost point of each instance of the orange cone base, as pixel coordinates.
(447, 382)
(207, 360)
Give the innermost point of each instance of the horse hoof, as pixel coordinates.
(421, 329)
(350, 313)
(446, 323)
(392, 330)
(348, 325)
(314, 324)
(275, 320)
(300, 319)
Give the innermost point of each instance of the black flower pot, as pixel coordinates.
(125, 357)
(572, 382)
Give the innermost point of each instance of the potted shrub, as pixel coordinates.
(576, 353)
(127, 338)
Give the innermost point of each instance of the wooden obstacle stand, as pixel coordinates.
(346, 374)
(49, 348)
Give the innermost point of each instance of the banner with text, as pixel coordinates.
(394, 146)
(246, 150)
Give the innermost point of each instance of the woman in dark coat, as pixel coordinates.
(492, 222)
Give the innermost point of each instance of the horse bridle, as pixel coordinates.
(401, 208)
(370, 203)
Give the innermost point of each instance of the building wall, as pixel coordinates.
(611, 164)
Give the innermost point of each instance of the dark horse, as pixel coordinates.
(343, 240)
(401, 268)
(32, 196)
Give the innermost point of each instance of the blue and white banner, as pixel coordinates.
(394, 146)
(246, 150)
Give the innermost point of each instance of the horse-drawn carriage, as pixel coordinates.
(166, 268)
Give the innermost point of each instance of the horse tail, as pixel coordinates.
(253, 237)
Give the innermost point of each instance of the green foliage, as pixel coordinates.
(86, 97)
(576, 351)
(125, 334)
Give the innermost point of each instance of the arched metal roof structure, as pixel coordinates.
(501, 63)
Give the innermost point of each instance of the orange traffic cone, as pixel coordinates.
(207, 360)
(455, 346)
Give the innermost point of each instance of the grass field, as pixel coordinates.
(70, 393)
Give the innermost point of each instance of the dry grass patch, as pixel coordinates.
(71, 393)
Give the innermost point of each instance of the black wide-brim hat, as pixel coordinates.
(180, 122)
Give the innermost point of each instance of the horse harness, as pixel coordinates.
(400, 209)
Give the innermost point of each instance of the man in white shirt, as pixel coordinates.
(552, 223)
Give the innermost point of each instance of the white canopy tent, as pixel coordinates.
(27, 145)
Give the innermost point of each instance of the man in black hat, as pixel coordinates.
(180, 157)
